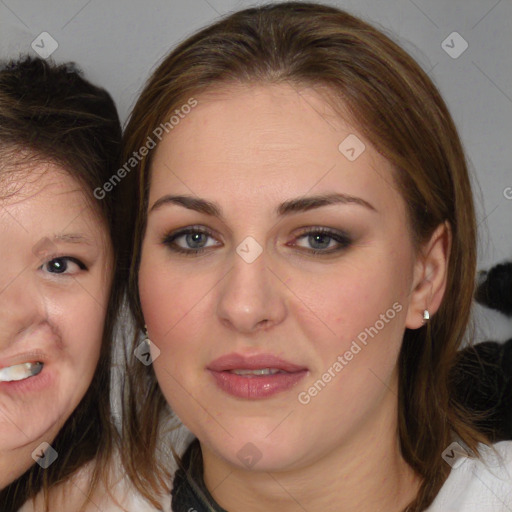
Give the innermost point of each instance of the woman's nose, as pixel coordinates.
(21, 304)
(251, 297)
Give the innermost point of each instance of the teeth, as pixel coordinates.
(20, 371)
(262, 371)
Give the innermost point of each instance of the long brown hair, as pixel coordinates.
(50, 113)
(402, 114)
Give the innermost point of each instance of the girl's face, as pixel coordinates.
(276, 277)
(54, 289)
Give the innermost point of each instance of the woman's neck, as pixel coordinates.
(366, 474)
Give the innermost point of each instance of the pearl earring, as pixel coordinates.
(147, 340)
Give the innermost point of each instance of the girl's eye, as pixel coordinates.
(189, 241)
(64, 265)
(324, 241)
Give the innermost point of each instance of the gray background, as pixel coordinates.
(118, 43)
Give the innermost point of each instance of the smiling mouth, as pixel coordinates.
(20, 371)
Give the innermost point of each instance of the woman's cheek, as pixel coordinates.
(337, 300)
(168, 295)
(82, 328)
(84, 313)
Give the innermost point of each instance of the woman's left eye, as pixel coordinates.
(324, 241)
(64, 265)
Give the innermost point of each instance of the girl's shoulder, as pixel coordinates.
(477, 484)
(118, 495)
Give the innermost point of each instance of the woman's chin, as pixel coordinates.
(37, 425)
(252, 451)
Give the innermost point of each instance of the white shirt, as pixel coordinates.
(473, 486)
(478, 485)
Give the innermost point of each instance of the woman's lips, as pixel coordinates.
(28, 356)
(255, 377)
(20, 371)
(25, 372)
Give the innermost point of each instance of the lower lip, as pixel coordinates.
(33, 384)
(256, 387)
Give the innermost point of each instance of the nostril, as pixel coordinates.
(263, 323)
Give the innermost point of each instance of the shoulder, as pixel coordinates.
(116, 496)
(479, 484)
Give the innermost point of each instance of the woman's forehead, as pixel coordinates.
(263, 138)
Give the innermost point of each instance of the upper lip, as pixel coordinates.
(254, 362)
(23, 357)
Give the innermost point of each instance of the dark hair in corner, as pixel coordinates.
(403, 115)
(50, 113)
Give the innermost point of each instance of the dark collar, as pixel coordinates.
(189, 492)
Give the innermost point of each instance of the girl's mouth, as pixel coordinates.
(20, 371)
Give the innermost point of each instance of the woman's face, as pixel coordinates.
(54, 289)
(275, 277)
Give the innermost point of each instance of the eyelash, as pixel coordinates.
(71, 259)
(341, 238)
(169, 239)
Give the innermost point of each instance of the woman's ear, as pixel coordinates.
(430, 276)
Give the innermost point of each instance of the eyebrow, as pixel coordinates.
(300, 204)
(72, 238)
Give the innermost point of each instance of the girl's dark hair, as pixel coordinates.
(400, 111)
(50, 113)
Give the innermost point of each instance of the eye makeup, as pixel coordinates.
(314, 235)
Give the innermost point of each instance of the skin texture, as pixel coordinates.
(43, 212)
(250, 149)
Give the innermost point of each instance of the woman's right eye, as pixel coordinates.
(190, 241)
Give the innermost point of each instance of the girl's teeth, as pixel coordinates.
(20, 371)
(262, 371)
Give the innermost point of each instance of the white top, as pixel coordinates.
(478, 485)
(474, 485)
